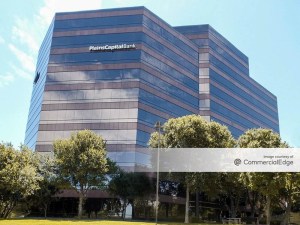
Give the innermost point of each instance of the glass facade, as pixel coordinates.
(228, 94)
(120, 94)
(33, 121)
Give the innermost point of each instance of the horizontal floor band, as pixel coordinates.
(95, 126)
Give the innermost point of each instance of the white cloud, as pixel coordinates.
(21, 73)
(26, 61)
(6, 79)
(27, 34)
(47, 12)
(2, 41)
(24, 33)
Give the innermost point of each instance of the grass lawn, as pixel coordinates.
(67, 222)
(76, 222)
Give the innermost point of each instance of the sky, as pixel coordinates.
(267, 31)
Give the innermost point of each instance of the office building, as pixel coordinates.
(118, 71)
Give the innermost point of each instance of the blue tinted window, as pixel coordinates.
(148, 118)
(215, 107)
(169, 89)
(240, 106)
(170, 37)
(239, 92)
(94, 57)
(162, 105)
(96, 39)
(174, 74)
(37, 92)
(170, 54)
(228, 57)
(234, 131)
(240, 79)
(229, 45)
(100, 22)
(98, 75)
(142, 138)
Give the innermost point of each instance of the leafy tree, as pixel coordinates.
(129, 186)
(93, 205)
(192, 131)
(81, 162)
(290, 183)
(253, 197)
(19, 177)
(157, 140)
(228, 187)
(48, 186)
(261, 138)
(267, 184)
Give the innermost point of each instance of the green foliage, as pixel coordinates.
(220, 136)
(129, 186)
(261, 138)
(81, 160)
(290, 183)
(82, 163)
(228, 187)
(19, 177)
(193, 131)
(156, 139)
(270, 185)
(265, 183)
(190, 131)
(80, 222)
(48, 186)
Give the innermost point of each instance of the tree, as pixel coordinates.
(192, 131)
(290, 183)
(19, 177)
(220, 136)
(228, 187)
(253, 197)
(93, 205)
(48, 186)
(261, 138)
(81, 162)
(267, 184)
(128, 186)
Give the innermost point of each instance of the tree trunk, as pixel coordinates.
(252, 201)
(145, 215)
(287, 212)
(187, 202)
(80, 204)
(124, 208)
(133, 209)
(8, 208)
(45, 210)
(197, 205)
(232, 207)
(268, 209)
(3, 209)
(252, 213)
(167, 210)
